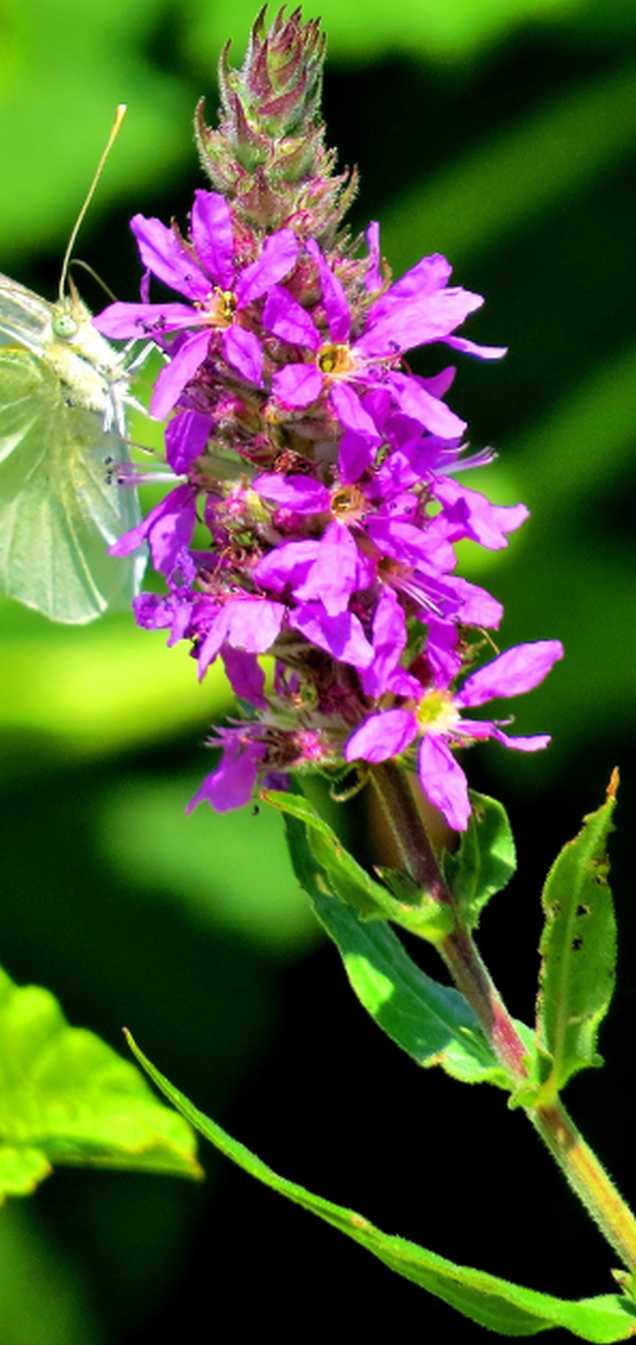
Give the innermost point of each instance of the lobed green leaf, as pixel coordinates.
(506, 1308)
(578, 952)
(68, 1098)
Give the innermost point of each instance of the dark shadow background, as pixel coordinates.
(510, 146)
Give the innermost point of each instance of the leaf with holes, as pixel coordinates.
(578, 952)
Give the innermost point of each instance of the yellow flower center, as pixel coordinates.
(334, 359)
(436, 712)
(219, 308)
(347, 501)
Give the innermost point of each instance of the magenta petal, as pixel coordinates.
(127, 321)
(168, 258)
(517, 670)
(442, 651)
(419, 405)
(287, 564)
(472, 348)
(172, 528)
(389, 639)
(253, 624)
(243, 351)
(427, 276)
(232, 783)
(182, 367)
(277, 259)
(440, 383)
(351, 413)
(297, 385)
(484, 522)
(476, 607)
(210, 646)
(341, 635)
(186, 437)
(381, 736)
(415, 322)
(212, 236)
(245, 675)
(333, 577)
(480, 730)
(373, 277)
(532, 742)
(168, 528)
(300, 493)
(287, 319)
(443, 781)
(407, 542)
(333, 296)
(354, 456)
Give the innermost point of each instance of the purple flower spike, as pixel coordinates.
(324, 477)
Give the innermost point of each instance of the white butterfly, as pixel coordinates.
(63, 391)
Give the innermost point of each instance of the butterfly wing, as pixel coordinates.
(24, 316)
(59, 510)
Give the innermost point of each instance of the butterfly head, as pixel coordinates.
(64, 326)
(92, 373)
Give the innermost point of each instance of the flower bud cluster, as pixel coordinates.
(321, 475)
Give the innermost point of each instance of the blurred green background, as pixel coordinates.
(502, 133)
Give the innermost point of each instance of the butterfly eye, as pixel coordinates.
(64, 325)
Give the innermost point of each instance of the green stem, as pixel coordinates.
(579, 1164)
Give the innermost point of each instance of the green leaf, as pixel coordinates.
(431, 1022)
(578, 951)
(413, 908)
(68, 1098)
(485, 860)
(488, 1300)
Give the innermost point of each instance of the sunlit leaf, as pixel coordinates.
(66, 1098)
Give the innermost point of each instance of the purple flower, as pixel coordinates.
(219, 290)
(436, 721)
(232, 784)
(416, 310)
(167, 528)
(245, 623)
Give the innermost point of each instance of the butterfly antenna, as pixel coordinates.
(120, 113)
(77, 261)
